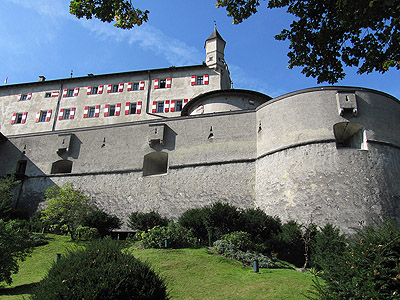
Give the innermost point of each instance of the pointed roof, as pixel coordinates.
(215, 35)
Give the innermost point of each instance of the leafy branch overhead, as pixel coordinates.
(326, 35)
(120, 11)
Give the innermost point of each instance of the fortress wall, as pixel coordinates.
(171, 195)
(345, 188)
(302, 171)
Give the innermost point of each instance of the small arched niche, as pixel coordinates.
(61, 167)
(349, 135)
(155, 163)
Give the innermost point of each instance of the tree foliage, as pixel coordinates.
(102, 221)
(7, 184)
(15, 245)
(325, 35)
(66, 207)
(121, 11)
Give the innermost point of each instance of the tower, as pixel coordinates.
(215, 46)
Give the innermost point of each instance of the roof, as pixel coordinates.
(215, 35)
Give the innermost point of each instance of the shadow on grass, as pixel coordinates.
(18, 290)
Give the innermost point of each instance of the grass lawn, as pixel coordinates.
(190, 274)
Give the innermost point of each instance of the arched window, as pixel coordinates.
(61, 166)
(155, 163)
(349, 135)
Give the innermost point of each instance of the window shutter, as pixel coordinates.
(72, 113)
(117, 109)
(14, 116)
(156, 83)
(65, 91)
(129, 87)
(172, 106)
(184, 102)
(100, 90)
(19, 97)
(37, 116)
(55, 93)
(85, 111)
(109, 88)
(106, 110)
(121, 87)
(88, 90)
(193, 80)
(60, 114)
(168, 82)
(48, 115)
(166, 106)
(139, 107)
(97, 111)
(154, 107)
(141, 85)
(29, 97)
(127, 106)
(205, 79)
(24, 116)
(76, 91)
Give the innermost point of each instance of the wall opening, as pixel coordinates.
(61, 166)
(155, 163)
(350, 135)
(21, 167)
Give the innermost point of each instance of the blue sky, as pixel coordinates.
(40, 37)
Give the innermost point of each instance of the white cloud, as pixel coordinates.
(52, 8)
(149, 38)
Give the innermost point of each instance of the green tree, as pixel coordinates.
(327, 34)
(15, 245)
(66, 207)
(102, 221)
(7, 184)
(120, 11)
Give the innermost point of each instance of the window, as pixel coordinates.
(70, 93)
(61, 166)
(114, 88)
(111, 110)
(199, 80)
(178, 104)
(94, 90)
(160, 106)
(132, 108)
(66, 115)
(18, 119)
(136, 86)
(350, 135)
(155, 163)
(43, 115)
(161, 84)
(47, 95)
(21, 167)
(24, 97)
(91, 112)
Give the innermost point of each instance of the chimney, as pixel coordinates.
(42, 78)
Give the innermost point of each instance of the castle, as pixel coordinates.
(177, 138)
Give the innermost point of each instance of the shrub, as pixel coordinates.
(102, 221)
(219, 219)
(289, 244)
(368, 269)
(15, 245)
(176, 235)
(239, 240)
(261, 226)
(328, 243)
(226, 249)
(7, 184)
(145, 221)
(101, 271)
(194, 219)
(85, 233)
